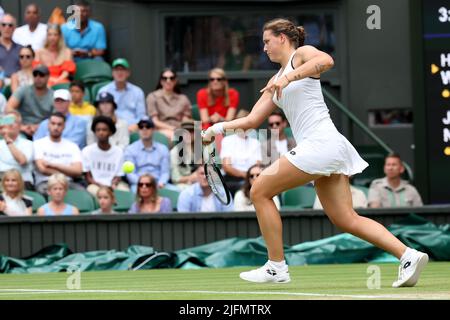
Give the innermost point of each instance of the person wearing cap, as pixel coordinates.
(75, 127)
(34, 102)
(89, 40)
(105, 106)
(148, 156)
(182, 162)
(102, 162)
(129, 98)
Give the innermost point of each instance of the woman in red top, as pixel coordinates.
(56, 56)
(217, 102)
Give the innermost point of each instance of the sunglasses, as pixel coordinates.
(168, 78)
(144, 126)
(216, 79)
(254, 176)
(25, 56)
(39, 74)
(11, 25)
(145, 184)
(272, 124)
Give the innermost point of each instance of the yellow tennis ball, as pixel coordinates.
(128, 167)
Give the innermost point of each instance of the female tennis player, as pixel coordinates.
(322, 155)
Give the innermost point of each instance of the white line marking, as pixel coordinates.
(393, 296)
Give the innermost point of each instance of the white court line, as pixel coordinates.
(303, 294)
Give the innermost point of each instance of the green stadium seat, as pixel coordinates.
(195, 112)
(288, 132)
(81, 199)
(124, 200)
(7, 92)
(61, 86)
(300, 197)
(374, 156)
(93, 71)
(134, 137)
(95, 88)
(171, 194)
(37, 198)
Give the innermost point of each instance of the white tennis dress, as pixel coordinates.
(320, 149)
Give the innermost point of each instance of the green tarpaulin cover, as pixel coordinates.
(414, 231)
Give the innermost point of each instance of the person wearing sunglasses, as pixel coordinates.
(242, 201)
(147, 198)
(167, 106)
(148, 156)
(23, 77)
(34, 102)
(9, 50)
(33, 32)
(277, 143)
(217, 102)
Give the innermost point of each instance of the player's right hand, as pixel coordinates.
(208, 136)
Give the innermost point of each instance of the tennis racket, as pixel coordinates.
(214, 176)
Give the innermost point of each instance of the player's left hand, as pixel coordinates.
(276, 87)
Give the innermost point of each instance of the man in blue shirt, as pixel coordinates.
(88, 41)
(148, 156)
(129, 98)
(75, 127)
(200, 198)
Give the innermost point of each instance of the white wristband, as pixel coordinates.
(218, 128)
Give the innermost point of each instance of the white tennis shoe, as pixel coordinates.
(267, 274)
(410, 269)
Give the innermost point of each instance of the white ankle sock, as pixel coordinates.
(278, 265)
(408, 253)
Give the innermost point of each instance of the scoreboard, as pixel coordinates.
(436, 42)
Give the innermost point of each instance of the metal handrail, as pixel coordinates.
(363, 127)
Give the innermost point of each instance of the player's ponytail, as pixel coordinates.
(301, 35)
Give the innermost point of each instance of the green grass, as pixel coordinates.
(345, 281)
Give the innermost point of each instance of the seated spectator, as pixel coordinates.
(56, 56)
(102, 162)
(34, 103)
(79, 107)
(34, 32)
(105, 106)
(167, 106)
(277, 142)
(391, 191)
(89, 40)
(57, 190)
(148, 156)
(242, 201)
(200, 198)
(238, 153)
(75, 127)
(16, 151)
(54, 154)
(218, 102)
(359, 199)
(23, 77)
(147, 198)
(182, 162)
(129, 98)
(9, 50)
(106, 200)
(12, 201)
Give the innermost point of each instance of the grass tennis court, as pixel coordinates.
(345, 281)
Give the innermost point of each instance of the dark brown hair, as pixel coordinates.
(176, 88)
(154, 196)
(279, 26)
(246, 187)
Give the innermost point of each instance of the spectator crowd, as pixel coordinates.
(58, 135)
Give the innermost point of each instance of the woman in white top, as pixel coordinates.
(322, 155)
(242, 201)
(12, 202)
